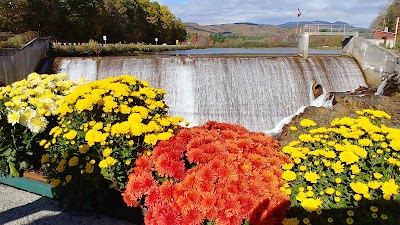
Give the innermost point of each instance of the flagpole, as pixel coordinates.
(298, 17)
(395, 34)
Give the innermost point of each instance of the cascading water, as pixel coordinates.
(256, 92)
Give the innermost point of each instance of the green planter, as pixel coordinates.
(31, 185)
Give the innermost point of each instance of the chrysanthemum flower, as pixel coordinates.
(13, 118)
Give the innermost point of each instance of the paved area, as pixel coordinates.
(21, 207)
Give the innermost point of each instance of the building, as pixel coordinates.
(384, 38)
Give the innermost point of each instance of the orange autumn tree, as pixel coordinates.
(218, 172)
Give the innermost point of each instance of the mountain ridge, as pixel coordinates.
(249, 29)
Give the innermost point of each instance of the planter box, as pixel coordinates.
(30, 182)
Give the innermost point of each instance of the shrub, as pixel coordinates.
(345, 173)
(27, 110)
(17, 41)
(103, 127)
(215, 174)
(94, 48)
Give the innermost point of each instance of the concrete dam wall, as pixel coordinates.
(16, 64)
(376, 62)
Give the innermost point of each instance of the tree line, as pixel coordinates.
(387, 16)
(82, 20)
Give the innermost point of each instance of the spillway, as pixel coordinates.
(255, 92)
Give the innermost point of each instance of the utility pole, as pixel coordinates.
(395, 34)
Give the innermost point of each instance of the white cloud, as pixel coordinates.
(359, 12)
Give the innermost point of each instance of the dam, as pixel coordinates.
(255, 92)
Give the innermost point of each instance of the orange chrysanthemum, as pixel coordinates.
(216, 172)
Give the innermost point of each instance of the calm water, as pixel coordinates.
(248, 51)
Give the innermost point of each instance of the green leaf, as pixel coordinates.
(10, 159)
(23, 165)
(111, 185)
(81, 133)
(6, 152)
(13, 171)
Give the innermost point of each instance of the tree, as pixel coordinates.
(82, 20)
(11, 14)
(387, 17)
(217, 38)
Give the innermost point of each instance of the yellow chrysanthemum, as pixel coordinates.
(359, 188)
(164, 136)
(330, 191)
(73, 161)
(311, 177)
(390, 188)
(378, 175)
(291, 221)
(83, 149)
(289, 175)
(395, 144)
(150, 139)
(348, 157)
(70, 135)
(107, 152)
(355, 169)
(365, 142)
(55, 182)
(68, 178)
(311, 204)
(337, 167)
(374, 184)
(109, 161)
(307, 123)
(89, 167)
(45, 158)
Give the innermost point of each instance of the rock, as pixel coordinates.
(345, 104)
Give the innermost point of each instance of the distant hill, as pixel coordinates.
(247, 29)
(240, 29)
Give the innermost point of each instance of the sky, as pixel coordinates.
(275, 12)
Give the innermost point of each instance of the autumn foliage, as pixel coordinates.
(216, 172)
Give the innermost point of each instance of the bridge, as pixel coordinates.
(307, 30)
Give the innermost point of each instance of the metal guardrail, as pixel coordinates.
(329, 28)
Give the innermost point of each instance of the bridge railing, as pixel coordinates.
(330, 28)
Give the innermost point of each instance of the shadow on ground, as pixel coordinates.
(48, 211)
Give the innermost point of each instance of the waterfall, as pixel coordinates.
(255, 92)
(324, 100)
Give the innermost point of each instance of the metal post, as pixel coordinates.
(395, 34)
(344, 30)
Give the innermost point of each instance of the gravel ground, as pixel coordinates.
(21, 207)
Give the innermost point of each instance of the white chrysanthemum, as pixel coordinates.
(51, 85)
(37, 124)
(61, 76)
(33, 76)
(26, 115)
(13, 117)
(40, 90)
(50, 104)
(36, 82)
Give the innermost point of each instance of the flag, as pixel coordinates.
(298, 12)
